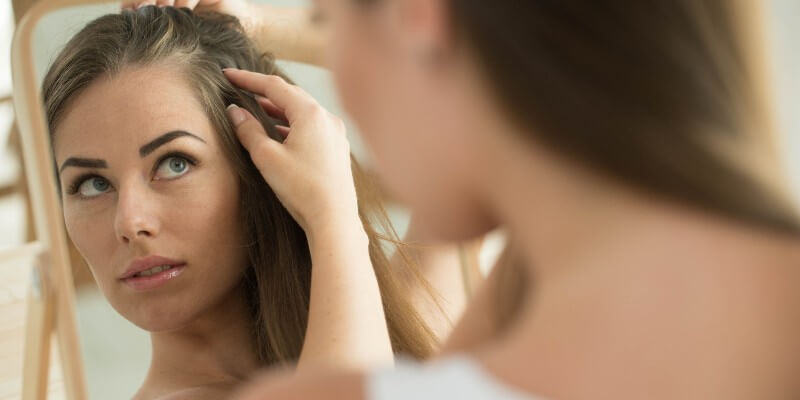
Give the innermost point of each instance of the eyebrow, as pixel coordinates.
(144, 151)
(164, 139)
(83, 162)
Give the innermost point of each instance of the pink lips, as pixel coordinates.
(141, 282)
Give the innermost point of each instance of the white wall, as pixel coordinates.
(785, 31)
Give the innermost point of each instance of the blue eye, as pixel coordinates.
(93, 186)
(173, 167)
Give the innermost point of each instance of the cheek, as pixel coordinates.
(364, 73)
(212, 224)
(93, 236)
(368, 88)
(352, 76)
(216, 218)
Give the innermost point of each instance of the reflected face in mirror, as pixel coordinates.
(149, 198)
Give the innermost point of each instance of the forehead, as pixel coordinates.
(130, 108)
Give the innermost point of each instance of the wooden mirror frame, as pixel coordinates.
(51, 302)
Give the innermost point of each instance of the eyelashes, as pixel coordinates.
(75, 186)
(77, 182)
(174, 154)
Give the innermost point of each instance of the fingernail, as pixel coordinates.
(235, 114)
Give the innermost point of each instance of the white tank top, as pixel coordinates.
(452, 378)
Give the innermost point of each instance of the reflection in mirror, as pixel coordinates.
(116, 350)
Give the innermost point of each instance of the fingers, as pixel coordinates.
(135, 4)
(190, 4)
(251, 134)
(271, 108)
(275, 112)
(282, 130)
(290, 99)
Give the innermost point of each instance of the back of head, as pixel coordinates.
(201, 44)
(660, 95)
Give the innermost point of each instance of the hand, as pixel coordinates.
(238, 8)
(310, 171)
(286, 32)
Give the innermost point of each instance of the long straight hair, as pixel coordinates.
(278, 279)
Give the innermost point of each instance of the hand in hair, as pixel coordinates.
(237, 8)
(310, 171)
(286, 32)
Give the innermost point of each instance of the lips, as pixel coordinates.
(151, 272)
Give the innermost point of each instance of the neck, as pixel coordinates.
(637, 296)
(216, 349)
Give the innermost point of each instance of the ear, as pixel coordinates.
(424, 25)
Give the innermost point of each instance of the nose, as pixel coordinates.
(136, 218)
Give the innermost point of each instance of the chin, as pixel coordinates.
(455, 233)
(155, 316)
(156, 324)
(453, 226)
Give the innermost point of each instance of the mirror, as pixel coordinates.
(116, 353)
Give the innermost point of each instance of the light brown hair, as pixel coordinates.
(278, 280)
(660, 95)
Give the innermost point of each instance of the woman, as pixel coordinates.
(182, 233)
(625, 147)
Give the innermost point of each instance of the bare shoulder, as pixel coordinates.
(305, 386)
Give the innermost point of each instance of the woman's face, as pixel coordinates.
(145, 184)
(410, 105)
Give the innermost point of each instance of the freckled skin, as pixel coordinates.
(149, 209)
